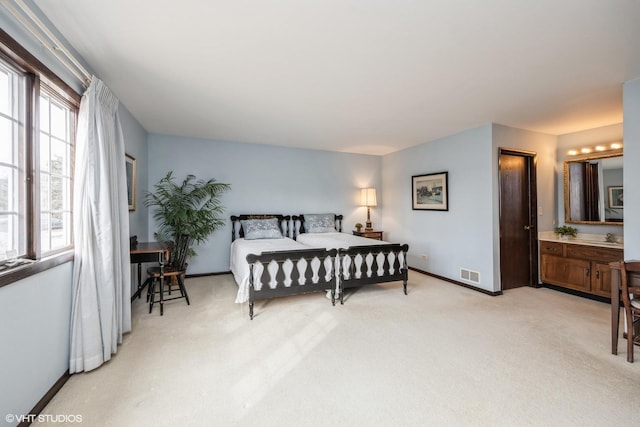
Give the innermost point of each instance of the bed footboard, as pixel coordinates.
(356, 271)
(274, 281)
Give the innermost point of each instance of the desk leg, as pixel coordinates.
(161, 284)
(139, 279)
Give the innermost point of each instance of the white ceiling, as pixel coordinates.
(360, 76)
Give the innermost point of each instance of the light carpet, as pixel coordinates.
(443, 355)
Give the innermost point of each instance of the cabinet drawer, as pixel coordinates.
(552, 248)
(593, 253)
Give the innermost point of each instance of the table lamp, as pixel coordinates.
(368, 199)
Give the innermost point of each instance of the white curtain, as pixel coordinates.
(101, 308)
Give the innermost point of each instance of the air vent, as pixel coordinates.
(470, 275)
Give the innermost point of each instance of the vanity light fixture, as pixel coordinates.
(599, 148)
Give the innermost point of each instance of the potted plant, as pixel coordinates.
(192, 207)
(358, 226)
(565, 231)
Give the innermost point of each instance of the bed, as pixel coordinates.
(361, 261)
(267, 263)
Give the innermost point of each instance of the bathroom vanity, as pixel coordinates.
(581, 264)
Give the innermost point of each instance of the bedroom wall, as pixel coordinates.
(135, 139)
(467, 236)
(265, 179)
(461, 236)
(631, 97)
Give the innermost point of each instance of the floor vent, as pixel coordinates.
(470, 275)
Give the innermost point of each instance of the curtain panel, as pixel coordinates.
(101, 308)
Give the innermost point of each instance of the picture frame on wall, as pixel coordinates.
(430, 192)
(616, 197)
(131, 181)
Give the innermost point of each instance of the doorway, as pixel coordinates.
(518, 220)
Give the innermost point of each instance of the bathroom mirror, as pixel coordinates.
(593, 192)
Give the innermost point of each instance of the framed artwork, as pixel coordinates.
(430, 192)
(131, 181)
(615, 197)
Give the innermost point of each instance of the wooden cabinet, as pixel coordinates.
(370, 234)
(580, 267)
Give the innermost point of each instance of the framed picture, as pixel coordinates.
(131, 181)
(430, 192)
(615, 197)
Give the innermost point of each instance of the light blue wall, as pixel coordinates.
(467, 236)
(265, 179)
(460, 237)
(135, 139)
(34, 325)
(631, 97)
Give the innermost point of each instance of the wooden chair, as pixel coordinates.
(176, 269)
(631, 301)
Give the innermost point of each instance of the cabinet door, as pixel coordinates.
(571, 273)
(601, 279)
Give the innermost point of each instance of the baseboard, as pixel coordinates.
(33, 414)
(218, 273)
(455, 282)
(577, 293)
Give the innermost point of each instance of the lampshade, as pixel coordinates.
(368, 197)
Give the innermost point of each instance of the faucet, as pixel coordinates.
(611, 238)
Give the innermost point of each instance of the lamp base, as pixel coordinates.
(367, 225)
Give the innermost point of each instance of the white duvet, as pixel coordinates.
(335, 240)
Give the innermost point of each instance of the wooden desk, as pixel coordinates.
(147, 252)
(615, 302)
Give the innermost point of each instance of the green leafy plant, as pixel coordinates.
(358, 226)
(566, 230)
(192, 207)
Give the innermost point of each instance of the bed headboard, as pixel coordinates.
(236, 225)
(298, 224)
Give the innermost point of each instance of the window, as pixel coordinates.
(12, 163)
(37, 131)
(57, 128)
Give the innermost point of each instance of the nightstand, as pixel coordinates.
(370, 234)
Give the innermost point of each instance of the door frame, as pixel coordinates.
(531, 161)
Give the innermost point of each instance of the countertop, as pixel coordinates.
(599, 240)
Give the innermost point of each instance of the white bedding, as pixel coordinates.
(240, 248)
(335, 240)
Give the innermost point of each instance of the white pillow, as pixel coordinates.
(320, 223)
(261, 229)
